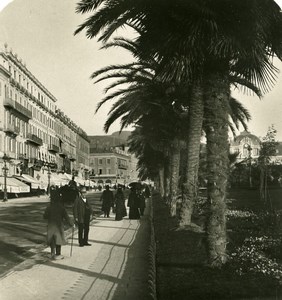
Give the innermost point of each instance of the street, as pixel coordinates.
(23, 229)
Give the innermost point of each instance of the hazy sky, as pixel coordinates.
(41, 33)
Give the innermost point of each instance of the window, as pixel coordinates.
(100, 161)
(108, 161)
(100, 171)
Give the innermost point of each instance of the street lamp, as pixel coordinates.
(5, 169)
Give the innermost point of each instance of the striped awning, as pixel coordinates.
(14, 185)
(34, 183)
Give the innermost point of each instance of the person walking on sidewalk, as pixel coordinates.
(82, 212)
(108, 201)
(134, 204)
(56, 215)
(120, 205)
(142, 201)
(73, 188)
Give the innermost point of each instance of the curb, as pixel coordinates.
(152, 257)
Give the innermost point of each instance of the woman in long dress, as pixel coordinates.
(120, 205)
(56, 215)
(133, 204)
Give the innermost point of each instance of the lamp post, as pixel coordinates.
(5, 169)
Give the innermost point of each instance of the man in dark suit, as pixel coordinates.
(82, 212)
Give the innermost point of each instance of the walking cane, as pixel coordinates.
(71, 240)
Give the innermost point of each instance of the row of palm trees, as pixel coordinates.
(187, 56)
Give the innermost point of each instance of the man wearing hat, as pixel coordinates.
(82, 212)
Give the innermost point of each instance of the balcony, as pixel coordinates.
(10, 103)
(22, 157)
(53, 148)
(34, 139)
(63, 153)
(11, 154)
(11, 129)
(122, 166)
(22, 110)
(72, 158)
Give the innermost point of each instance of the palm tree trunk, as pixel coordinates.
(167, 180)
(161, 181)
(175, 164)
(216, 114)
(190, 187)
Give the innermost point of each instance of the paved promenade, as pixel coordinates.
(114, 267)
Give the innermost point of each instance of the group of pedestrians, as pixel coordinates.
(57, 216)
(116, 202)
(137, 201)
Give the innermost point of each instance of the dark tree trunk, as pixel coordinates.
(190, 187)
(161, 181)
(216, 125)
(175, 164)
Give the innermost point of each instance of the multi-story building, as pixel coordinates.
(39, 138)
(110, 161)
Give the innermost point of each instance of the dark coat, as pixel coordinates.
(108, 200)
(120, 206)
(133, 204)
(82, 210)
(56, 214)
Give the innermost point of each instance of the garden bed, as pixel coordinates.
(254, 269)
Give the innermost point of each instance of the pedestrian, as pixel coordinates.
(120, 208)
(147, 192)
(73, 185)
(82, 212)
(108, 201)
(56, 215)
(133, 204)
(142, 200)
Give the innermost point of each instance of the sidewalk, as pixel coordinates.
(114, 267)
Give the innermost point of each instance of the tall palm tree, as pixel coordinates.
(145, 95)
(201, 42)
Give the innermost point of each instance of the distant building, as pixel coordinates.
(110, 161)
(248, 145)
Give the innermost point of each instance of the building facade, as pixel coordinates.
(110, 161)
(247, 146)
(38, 138)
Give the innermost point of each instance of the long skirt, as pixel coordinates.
(134, 213)
(120, 211)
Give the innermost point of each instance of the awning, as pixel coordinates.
(63, 178)
(13, 185)
(80, 181)
(90, 183)
(54, 180)
(30, 180)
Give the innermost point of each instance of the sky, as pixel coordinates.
(41, 33)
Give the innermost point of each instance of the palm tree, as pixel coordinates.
(146, 95)
(201, 42)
